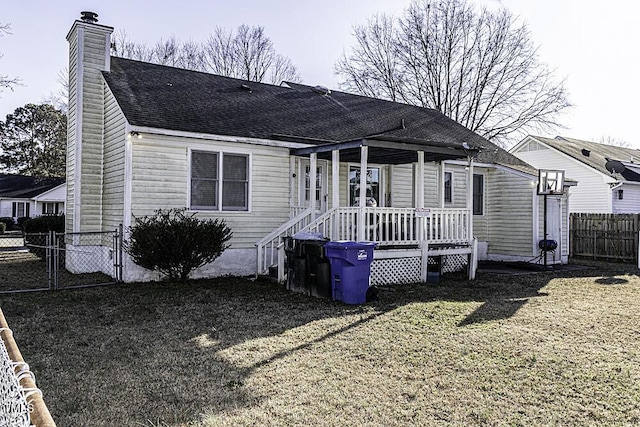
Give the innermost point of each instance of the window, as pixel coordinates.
(219, 181)
(478, 194)
(448, 187)
(20, 209)
(50, 208)
(373, 186)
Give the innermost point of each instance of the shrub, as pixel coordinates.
(175, 243)
(8, 222)
(3, 227)
(44, 224)
(21, 220)
(33, 229)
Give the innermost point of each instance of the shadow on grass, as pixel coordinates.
(127, 354)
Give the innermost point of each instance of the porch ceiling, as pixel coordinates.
(389, 150)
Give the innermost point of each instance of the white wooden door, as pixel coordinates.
(321, 185)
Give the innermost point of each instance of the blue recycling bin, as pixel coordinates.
(350, 270)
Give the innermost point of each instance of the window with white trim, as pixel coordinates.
(20, 209)
(50, 208)
(448, 187)
(478, 194)
(219, 181)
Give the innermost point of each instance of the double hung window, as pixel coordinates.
(219, 181)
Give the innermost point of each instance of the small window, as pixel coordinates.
(219, 181)
(620, 194)
(448, 187)
(478, 194)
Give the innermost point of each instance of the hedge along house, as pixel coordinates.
(275, 160)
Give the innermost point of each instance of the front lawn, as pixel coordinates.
(537, 349)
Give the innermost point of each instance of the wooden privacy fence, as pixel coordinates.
(605, 236)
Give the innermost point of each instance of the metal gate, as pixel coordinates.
(52, 261)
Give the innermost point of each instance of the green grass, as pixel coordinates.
(538, 349)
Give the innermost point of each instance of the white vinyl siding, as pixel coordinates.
(630, 202)
(113, 173)
(401, 186)
(592, 194)
(508, 216)
(92, 131)
(161, 180)
(71, 134)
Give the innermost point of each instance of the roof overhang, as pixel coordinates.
(389, 150)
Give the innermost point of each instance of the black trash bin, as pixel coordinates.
(308, 269)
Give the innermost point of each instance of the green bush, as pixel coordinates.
(3, 227)
(8, 222)
(34, 229)
(44, 224)
(175, 243)
(21, 220)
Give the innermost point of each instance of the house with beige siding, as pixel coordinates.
(608, 177)
(276, 160)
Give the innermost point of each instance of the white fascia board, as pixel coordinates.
(223, 138)
(40, 196)
(492, 166)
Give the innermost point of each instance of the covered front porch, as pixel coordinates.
(406, 236)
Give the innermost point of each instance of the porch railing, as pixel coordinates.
(268, 246)
(396, 226)
(386, 226)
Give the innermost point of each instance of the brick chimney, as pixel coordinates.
(89, 55)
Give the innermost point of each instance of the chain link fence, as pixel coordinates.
(51, 261)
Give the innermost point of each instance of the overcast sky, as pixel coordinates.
(593, 44)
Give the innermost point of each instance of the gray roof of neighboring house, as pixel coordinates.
(164, 97)
(598, 154)
(25, 187)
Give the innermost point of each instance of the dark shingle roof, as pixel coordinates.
(26, 187)
(164, 97)
(598, 154)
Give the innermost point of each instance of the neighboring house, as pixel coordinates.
(30, 196)
(274, 160)
(608, 176)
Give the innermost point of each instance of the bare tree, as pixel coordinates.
(6, 82)
(616, 142)
(476, 66)
(60, 98)
(246, 54)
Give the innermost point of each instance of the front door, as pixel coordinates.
(321, 185)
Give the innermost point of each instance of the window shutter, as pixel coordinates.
(26, 209)
(14, 209)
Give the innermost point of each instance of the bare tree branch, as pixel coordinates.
(478, 67)
(7, 82)
(247, 54)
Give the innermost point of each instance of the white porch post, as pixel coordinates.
(292, 185)
(420, 195)
(335, 192)
(470, 198)
(473, 256)
(441, 184)
(424, 246)
(313, 166)
(364, 158)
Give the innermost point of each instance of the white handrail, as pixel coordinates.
(267, 246)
